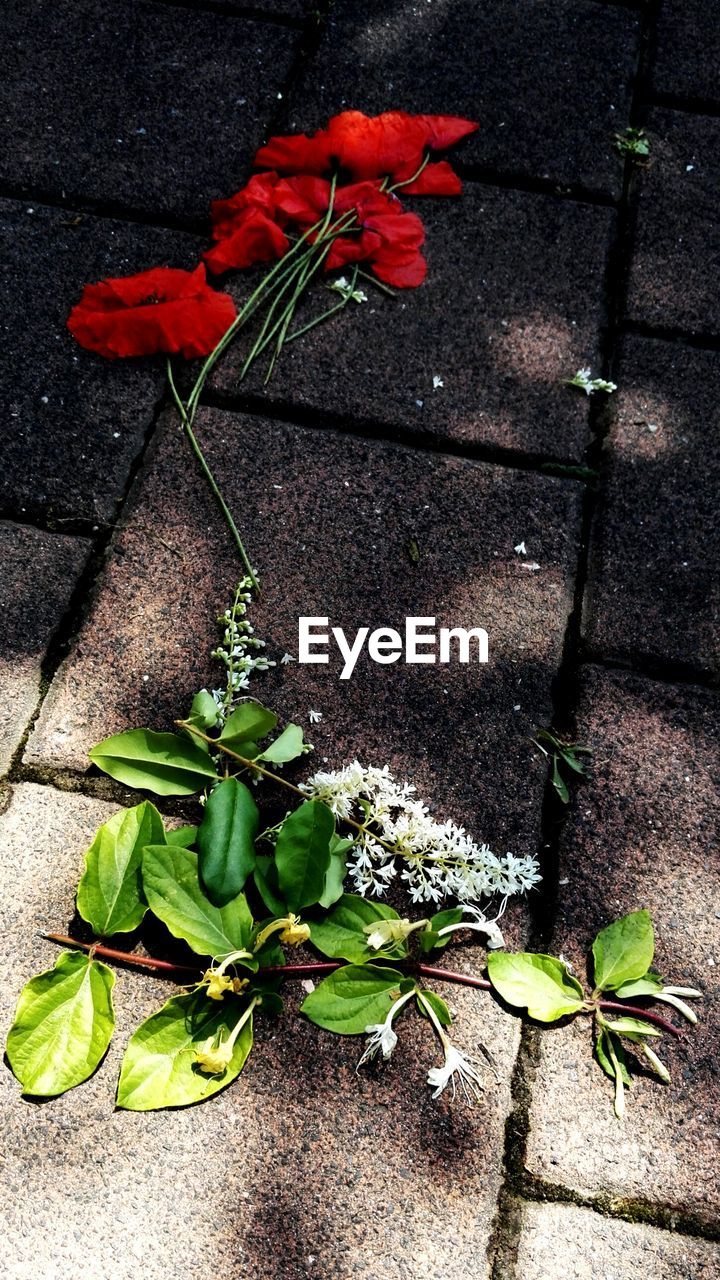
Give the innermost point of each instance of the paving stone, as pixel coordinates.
(677, 241)
(37, 574)
(301, 1169)
(138, 104)
(576, 1244)
(512, 305)
(548, 92)
(76, 421)
(331, 521)
(643, 834)
(653, 586)
(687, 55)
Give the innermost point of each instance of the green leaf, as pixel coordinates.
(633, 1028)
(163, 763)
(648, 985)
(226, 840)
(302, 853)
(159, 1068)
(249, 721)
(541, 984)
(352, 998)
(204, 714)
(336, 872)
(184, 836)
(429, 940)
(63, 1025)
(110, 894)
(341, 934)
(287, 746)
(172, 888)
(438, 1006)
(623, 952)
(265, 878)
(605, 1046)
(559, 782)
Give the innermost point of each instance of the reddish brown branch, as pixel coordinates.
(162, 968)
(632, 1011)
(447, 975)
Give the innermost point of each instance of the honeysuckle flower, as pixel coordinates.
(479, 924)
(215, 1054)
(314, 716)
(290, 928)
(383, 933)
(218, 983)
(670, 995)
(458, 1069)
(381, 1036)
(163, 309)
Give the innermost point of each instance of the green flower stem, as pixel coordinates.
(187, 428)
(331, 311)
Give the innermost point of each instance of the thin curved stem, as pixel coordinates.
(162, 968)
(634, 1011)
(447, 975)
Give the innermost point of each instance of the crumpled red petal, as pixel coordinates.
(258, 193)
(255, 239)
(438, 179)
(163, 309)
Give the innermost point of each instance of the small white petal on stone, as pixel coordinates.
(437, 381)
(314, 716)
(287, 657)
(520, 549)
(532, 566)
(308, 985)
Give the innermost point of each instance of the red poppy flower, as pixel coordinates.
(258, 193)
(435, 180)
(163, 309)
(390, 243)
(256, 238)
(365, 146)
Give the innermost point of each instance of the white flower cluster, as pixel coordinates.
(436, 859)
(585, 381)
(240, 651)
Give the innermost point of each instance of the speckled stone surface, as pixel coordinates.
(677, 242)
(329, 520)
(653, 584)
(643, 834)
(561, 1240)
(138, 104)
(687, 57)
(74, 422)
(301, 1169)
(38, 572)
(512, 305)
(549, 88)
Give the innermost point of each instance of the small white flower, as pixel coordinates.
(531, 566)
(314, 716)
(381, 1039)
(287, 657)
(346, 291)
(458, 1065)
(437, 381)
(585, 381)
(479, 924)
(520, 549)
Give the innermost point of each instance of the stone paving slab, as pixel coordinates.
(561, 1240)
(512, 305)
(331, 522)
(74, 422)
(301, 1169)
(677, 240)
(643, 834)
(653, 583)
(549, 91)
(138, 104)
(687, 53)
(38, 572)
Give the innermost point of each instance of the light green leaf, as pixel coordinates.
(110, 894)
(248, 722)
(341, 934)
(429, 940)
(204, 714)
(541, 984)
(438, 1006)
(163, 763)
(352, 998)
(184, 836)
(336, 872)
(633, 1028)
(173, 891)
(159, 1068)
(624, 951)
(607, 1045)
(63, 1025)
(226, 840)
(302, 854)
(287, 746)
(648, 985)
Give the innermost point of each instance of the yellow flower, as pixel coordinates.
(217, 984)
(214, 1058)
(291, 931)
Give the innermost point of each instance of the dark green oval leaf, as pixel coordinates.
(63, 1025)
(541, 984)
(226, 840)
(353, 998)
(336, 872)
(163, 763)
(624, 951)
(110, 894)
(302, 854)
(173, 891)
(159, 1068)
(248, 722)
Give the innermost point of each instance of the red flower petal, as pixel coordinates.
(303, 199)
(163, 309)
(296, 153)
(255, 239)
(404, 271)
(259, 193)
(435, 180)
(445, 131)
